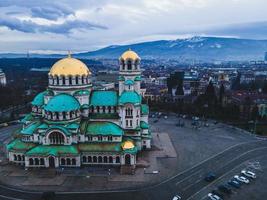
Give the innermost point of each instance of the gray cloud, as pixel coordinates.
(29, 26)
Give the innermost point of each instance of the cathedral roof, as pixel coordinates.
(18, 145)
(69, 67)
(100, 147)
(104, 98)
(38, 99)
(61, 103)
(129, 82)
(129, 54)
(53, 150)
(101, 128)
(130, 97)
(144, 125)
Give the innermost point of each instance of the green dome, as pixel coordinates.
(130, 97)
(137, 78)
(129, 82)
(39, 99)
(61, 103)
(121, 78)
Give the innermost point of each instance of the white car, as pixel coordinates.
(248, 174)
(213, 196)
(165, 117)
(176, 197)
(241, 179)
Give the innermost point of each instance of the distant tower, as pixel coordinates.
(130, 73)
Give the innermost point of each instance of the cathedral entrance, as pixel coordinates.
(127, 159)
(51, 162)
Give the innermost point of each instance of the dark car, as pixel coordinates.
(234, 183)
(225, 188)
(155, 121)
(210, 177)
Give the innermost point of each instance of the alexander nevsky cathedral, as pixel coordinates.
(72, 125)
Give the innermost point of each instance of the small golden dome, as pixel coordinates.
(69, 67)
(129, 55)
(127, 145)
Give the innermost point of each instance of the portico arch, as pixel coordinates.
(56, 137)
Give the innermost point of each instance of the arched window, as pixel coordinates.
(64, 115)
(56, 138)
(92, 109)
(63, 80)
(129, 112)
(63, 162)
(95, 159)
(104, 109)
(115, 109)
(19, 157)
(68, 161)
(15, 157)
(42, 161)
(77, 80)
(109, 109)
(84, 159)
(117, 159)
(129, 65)
(30, 161)
(70, 80)
(105, 159)
(100, 159)
(89, 159)
(123, 64)
(127, 159)
(57, 80)
(73, 161)
(36, 161)
(23, 158)
(98, 109)
(110, 159)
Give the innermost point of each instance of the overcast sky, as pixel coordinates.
(84, 25)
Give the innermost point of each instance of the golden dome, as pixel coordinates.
(127, 145)
(129, 55)
(69, 67)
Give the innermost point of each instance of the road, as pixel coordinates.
(6, 131)
(186, 184)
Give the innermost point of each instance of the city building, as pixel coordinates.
(2, 78)
(73, 125)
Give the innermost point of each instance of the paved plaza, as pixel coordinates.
(174, 150)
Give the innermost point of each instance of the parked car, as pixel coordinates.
(210, 177)
(234, 183)
(248, 174)
(213, 196)
(165, 117)
(225, 188)
(241, 179)
(176, 197)
(218, 193)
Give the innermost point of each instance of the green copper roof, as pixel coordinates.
(144, 125)
(144, 109)
(102, 128)
(137, 78)
(43, 126)
(100, 147)
(62, 102)
(30, 129)
(129, 82)
(18, 145)
(130, 97)
(39, 99)
(53, 150)
(81, 92)
(28, 117)
(104, 98)
(121, 78)
(73, 126)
